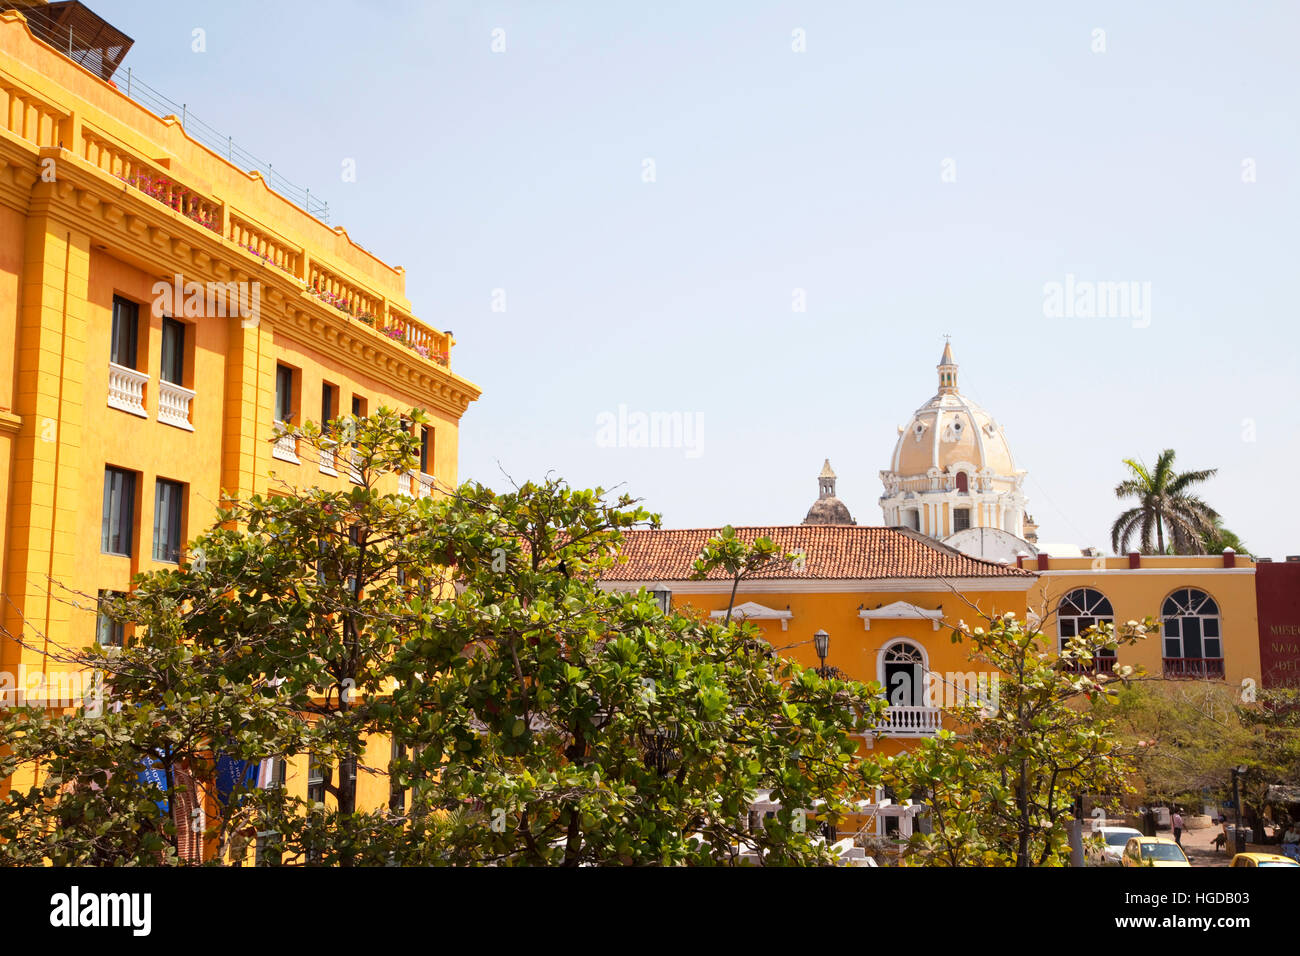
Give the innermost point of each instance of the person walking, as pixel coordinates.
(1177, 822)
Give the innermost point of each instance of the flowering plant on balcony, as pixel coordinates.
(396, 333)
(252, 247)
(174, 196)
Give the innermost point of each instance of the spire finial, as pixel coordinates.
(947, 369)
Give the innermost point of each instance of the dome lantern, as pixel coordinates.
(828, 509)
(947, 371)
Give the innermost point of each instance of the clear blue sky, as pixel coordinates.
(821, 171)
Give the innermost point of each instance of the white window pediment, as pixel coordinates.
(753, 611)
(900, 610)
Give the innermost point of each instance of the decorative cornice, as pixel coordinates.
(753, 611)
(162, 241)
(900, 610)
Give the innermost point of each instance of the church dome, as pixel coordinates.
(828, 509)
(952, 469)
(951, 430)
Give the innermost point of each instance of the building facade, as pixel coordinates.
(162, 310)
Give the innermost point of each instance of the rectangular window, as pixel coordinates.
(173, 352)
(426, 449)
(316, 779)
(118, 522)
(268, 849)
(328, 402)
(109, 633)
(167, 512)
(960, 519)
(126, 330)
(279, 772)
(396, 794)
(283, 393)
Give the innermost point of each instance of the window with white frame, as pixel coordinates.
(1190, 625)
(1079, 610)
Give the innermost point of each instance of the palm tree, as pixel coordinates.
(1163, 502)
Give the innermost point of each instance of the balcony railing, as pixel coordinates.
(328, 459)
(1194, 668)
(174, 405)
(1098, 665)
(415, 484)
(285, 447)
(910, 721)
(126, 389)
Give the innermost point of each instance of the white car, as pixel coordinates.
(1114, 839)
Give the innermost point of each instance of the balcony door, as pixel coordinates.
(902, 671)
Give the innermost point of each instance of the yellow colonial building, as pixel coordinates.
(957, 545)
(161, 309)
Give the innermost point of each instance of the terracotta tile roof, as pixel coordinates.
(831, 551)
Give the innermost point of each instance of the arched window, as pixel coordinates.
(1192, 636)
(1079, 610)
(963, 483)
(902, 671)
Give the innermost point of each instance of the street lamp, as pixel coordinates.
(822, 642)
(663, 596)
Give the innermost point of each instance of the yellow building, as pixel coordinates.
(164, 309)
(952, 550)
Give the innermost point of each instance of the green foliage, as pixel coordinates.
(542, 718)
(1003, 792)
(1189, 735)
(1164, 503)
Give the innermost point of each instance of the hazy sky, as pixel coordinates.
(919, 169)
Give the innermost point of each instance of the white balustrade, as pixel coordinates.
(415, 484)
(327, 458)
(425, 485)
(174, 405)
(910, 721)
(126, 389)
(285, 447)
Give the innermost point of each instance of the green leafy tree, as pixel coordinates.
(1188, 736)
(587, 726)
(1004, 792)
(1165, 504)
(538, 717)
(1219, 539)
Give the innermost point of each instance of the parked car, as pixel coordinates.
(1262, 859)
(1153, 851)
(1113, 841)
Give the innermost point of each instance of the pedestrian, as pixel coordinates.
(1291, 841)
(1178, 826)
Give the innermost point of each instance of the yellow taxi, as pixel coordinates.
(1262, 859)
(1153, 851)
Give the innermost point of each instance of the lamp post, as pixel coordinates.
(822, 642)
(1237, 774)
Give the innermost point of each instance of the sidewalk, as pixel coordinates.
(1199, 847)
